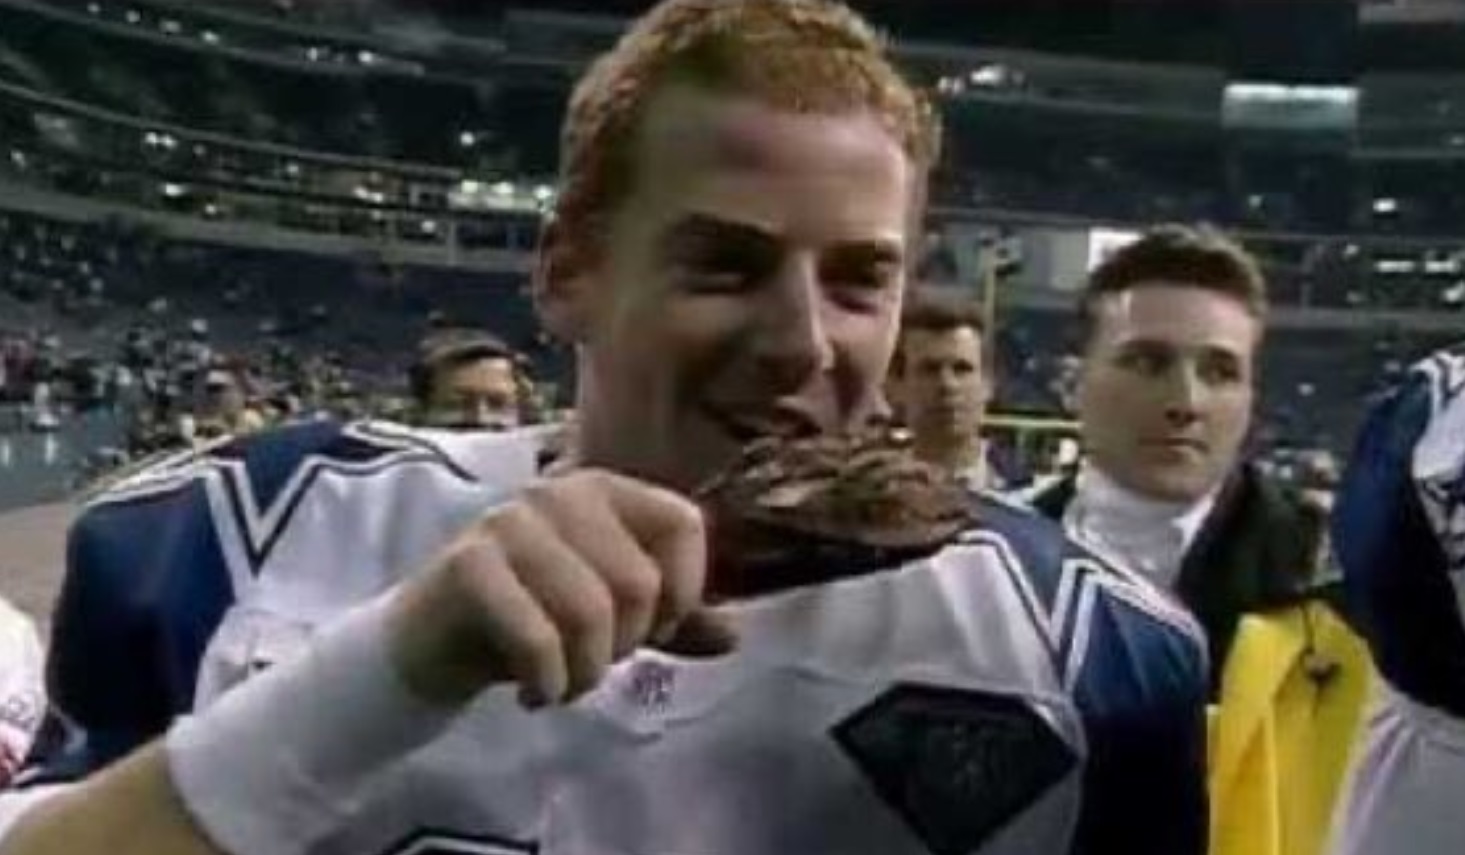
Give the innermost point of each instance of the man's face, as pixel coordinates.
(223, 397)
(1166, 388)
(750, 283)
(944, 384)
(481, 394)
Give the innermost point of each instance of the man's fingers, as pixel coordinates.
(568, 590)
(550, 590)
(587, 523)
(523, 643)
(671, 530)
(703, 634)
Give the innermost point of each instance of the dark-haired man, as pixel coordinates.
(465, 379)
(1170, 329)
(941, 381)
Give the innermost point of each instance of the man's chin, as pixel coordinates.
(1178, 487)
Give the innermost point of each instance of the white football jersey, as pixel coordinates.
(1012, 694)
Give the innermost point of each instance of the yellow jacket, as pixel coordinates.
(1282, 734)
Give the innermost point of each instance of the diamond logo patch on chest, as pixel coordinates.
(957, 765)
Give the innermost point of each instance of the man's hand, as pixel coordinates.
(548, 591)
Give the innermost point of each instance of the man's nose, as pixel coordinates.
(793, 338)
(1184, 394)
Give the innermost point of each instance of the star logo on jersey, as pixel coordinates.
(258, 482)
(439, 843)
(956, 764)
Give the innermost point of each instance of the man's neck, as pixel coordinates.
(955, 455)
(1099, 490)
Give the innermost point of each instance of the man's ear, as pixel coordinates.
(562, 284)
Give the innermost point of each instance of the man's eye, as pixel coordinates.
(869, 276)
(718, 272)
(1144, 362)
(1218, 372)
(716, 280)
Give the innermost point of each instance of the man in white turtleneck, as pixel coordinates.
(1152, 535)
(1170, 328)
(1171, 325)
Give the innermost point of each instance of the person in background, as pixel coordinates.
(1170, 327)
(1397, 534)
(941, 381)
(223, 408)
(466, 379)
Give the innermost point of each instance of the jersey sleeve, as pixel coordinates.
(146, 584)
(254, 535)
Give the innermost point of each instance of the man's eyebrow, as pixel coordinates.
(701, 227)
(1203, 348)
(1148, 343)
(698, 228)
(867, 251)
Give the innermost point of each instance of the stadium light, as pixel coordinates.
(174, 191)
(1385, 205)
(992, 75)
(209, 37)
(467, 139)
(1442, 266)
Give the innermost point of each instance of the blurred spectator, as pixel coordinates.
(466, 379)
(941, 379)
(222, 410)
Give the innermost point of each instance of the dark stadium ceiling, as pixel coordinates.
(1176, 30)
(1304, 40)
